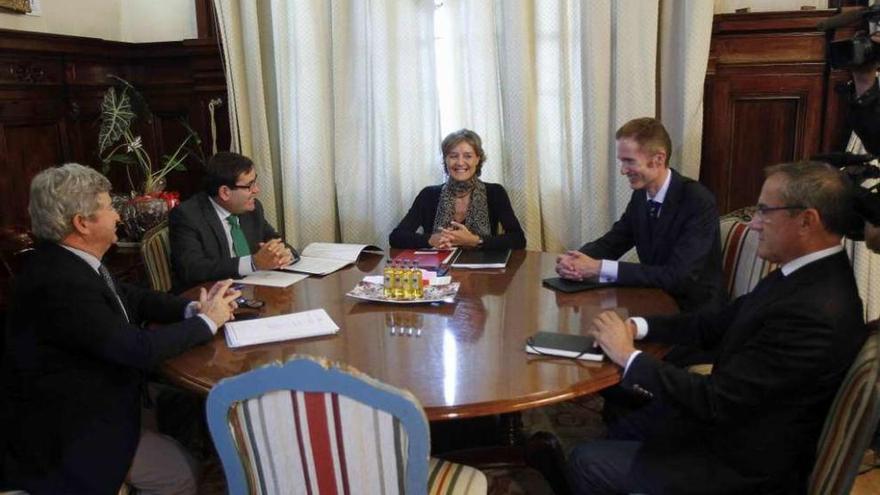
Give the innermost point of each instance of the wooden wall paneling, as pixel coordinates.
(53, 85)
(759, 120)
(767, 100)
(205, 20)
(37, 146)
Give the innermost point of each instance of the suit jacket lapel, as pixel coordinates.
(213, 220)
(249, 226)
(644, 236)
(90, 273)
(756, 302)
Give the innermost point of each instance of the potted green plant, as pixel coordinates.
(119, 143)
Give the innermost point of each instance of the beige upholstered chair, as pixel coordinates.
(851, 422)
(155, 251)
(311, 426)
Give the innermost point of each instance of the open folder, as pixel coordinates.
(321, 258)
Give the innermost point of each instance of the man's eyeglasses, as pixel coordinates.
(763, 210)
(249, 186)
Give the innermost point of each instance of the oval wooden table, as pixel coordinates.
(463, 359)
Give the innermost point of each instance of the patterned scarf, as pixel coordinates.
(477, 218)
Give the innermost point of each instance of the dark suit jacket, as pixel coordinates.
(424, 209)
(199, 249)
(681, 254)
(74, 372)
(752, 426)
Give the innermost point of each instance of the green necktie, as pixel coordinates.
(239, 243)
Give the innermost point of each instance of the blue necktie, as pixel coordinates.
(654, 209)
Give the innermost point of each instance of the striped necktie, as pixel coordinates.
(108, 279)
(239, 242)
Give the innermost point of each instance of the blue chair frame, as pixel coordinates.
(307, 374)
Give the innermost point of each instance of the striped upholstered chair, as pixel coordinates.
(155, 251)
(742, 269)
(306, 426)
(851, 422)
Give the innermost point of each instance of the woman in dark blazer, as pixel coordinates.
(464, 211)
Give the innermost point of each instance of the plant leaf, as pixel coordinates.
(116, 118)
(123, 158)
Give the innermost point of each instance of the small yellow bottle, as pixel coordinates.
(406, 274)
(397, 286)
(416, 280)
(388, 276)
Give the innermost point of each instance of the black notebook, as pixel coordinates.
(564, 345)
(482, 258)
(564, 285)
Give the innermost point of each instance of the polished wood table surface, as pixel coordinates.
(463, 359)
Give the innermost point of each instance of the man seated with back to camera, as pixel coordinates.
(671, 220)
(784, 348)
(74, 377)
(221, 232)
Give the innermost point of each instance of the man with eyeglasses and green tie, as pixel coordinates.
(221, 232)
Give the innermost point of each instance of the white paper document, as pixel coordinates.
(321, 258)
(300, 325)
(272, 278)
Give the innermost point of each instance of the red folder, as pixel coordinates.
(429, 259)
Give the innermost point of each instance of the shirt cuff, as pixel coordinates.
(191, 310)
(641, 326)
(211, 325)
(608, 272)
(246, 265)
(629, 361)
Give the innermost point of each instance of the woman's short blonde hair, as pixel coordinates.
(472, 138)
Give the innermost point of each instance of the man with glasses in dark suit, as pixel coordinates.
(221, 232)
(752, 425)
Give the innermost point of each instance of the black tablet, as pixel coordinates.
(563, 285)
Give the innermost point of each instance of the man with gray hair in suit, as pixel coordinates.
(77, 353)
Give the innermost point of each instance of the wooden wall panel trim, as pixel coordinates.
(773, 22)
(770, 47)
(769, 97)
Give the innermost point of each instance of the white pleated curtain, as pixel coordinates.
(342, 98)
(547, 83)
(336, 102)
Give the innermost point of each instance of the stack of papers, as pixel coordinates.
(272, 278)
(301, 325)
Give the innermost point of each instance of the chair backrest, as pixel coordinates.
(742, 269)
(305, 423)
(155, 251)
(851, 422)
